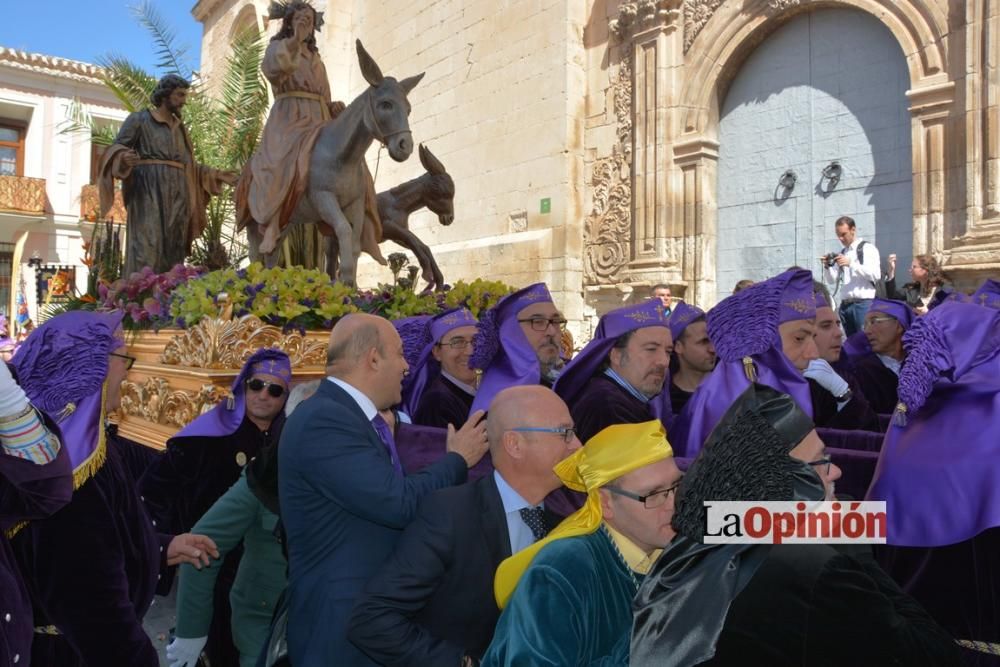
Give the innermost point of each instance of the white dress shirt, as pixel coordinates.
(359, 397)
(892, 364)
(859, 279)
(519, 532)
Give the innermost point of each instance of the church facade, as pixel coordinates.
(606, 146)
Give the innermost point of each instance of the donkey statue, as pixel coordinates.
(436, 191)
(335, 192)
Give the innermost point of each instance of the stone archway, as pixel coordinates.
(826, 91)
(718, 37)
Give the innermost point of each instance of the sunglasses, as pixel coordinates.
(273, 388)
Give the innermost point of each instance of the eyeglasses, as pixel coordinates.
(543, 323)
(567, 433)
(877, 320)
(456, 343)
(651, 500)
(129, 361)
(273, 388)
(825, 461)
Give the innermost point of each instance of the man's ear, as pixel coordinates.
(436, 351)
(615, 356)
(606, 508)
(512, 444)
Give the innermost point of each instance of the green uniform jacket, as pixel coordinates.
(236, 516)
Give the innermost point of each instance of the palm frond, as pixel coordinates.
(132, 85)
(171, 57)
(244, 95)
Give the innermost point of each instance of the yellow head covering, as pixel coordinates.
(615, 451)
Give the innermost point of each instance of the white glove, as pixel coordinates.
(821, 371)
(12, 399)
(185, 652)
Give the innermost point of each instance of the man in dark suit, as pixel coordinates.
(344, 498)
(432, 602)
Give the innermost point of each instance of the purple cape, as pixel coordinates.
(938, 472)
(227, 416)
(502, 350)
(612, 325)
(744, 330)
(419, 335)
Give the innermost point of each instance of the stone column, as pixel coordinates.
(696, 176)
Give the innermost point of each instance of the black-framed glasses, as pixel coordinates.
(651, 500)
(825, 461)
(273, 388)
(129, 361)
(456, 343)
(543, 323)
(567, 432)
(877, 320)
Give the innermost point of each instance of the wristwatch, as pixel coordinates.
(846, 396)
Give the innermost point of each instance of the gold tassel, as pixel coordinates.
(66, 412)
(899, 416)
(749, 369)
(479, 378)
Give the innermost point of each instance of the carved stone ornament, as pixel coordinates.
(608, 228)
(156, 402)
(639, 15)
(696, 15)
(227, 344)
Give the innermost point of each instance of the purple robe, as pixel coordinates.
(603, 402)
(91, 570)
(442, 403)
(878, 384)
(27, 491)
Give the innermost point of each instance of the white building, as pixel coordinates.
(45, 173)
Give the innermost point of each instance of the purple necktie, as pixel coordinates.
(385, 435)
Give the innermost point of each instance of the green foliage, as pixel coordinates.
(306, 299)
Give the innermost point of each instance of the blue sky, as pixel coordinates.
(88, 29)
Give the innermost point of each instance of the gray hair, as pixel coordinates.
(299, 393)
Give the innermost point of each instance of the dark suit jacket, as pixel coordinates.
(343, 507)
(433, 600)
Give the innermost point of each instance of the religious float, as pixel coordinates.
(190, 332)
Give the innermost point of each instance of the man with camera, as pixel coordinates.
(854, 271)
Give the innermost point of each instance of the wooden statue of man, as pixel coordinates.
(164, 188)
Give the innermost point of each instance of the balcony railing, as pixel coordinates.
(90, 205)
(20, 194)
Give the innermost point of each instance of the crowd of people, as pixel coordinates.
(467, 491)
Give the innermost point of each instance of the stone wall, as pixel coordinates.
(609, 110)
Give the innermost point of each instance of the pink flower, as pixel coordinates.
(153, 307)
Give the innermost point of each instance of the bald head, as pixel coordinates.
(366, 352)
(526, 432)
(352, 337)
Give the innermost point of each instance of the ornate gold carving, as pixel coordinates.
(696, 15)
(608, 228)
(227, 344)
(22, 194)
(639, 15)
(156, 402)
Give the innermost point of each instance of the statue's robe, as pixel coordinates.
(165, 194)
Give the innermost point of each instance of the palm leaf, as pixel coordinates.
(132, 85)
(171, 57)
(78, 119)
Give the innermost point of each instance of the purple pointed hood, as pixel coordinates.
(226, 417)
(62, 367)
(589, 360)
(744, 330)
(937, 468)
(681, 316)
(896, 309)
(502, 352)
(419, 335)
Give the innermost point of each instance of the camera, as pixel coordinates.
(830, 258)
